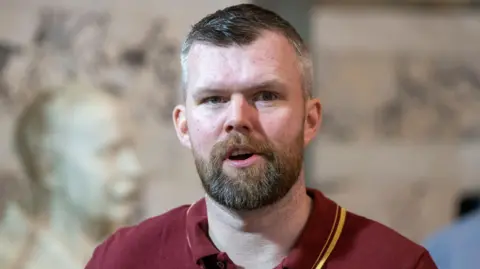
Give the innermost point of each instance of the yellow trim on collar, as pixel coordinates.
(338, 231)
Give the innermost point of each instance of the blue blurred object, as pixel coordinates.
(458, 245)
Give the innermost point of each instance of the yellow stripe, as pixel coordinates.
(328, 238)
(338, 232)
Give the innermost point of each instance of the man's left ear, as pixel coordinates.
(313, 119)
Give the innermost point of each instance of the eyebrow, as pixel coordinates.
(265, 85)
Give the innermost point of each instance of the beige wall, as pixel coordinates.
(401, 97)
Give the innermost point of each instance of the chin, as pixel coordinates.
(244, 173)
(122, 214)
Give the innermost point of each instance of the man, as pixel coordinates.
(75, 145)
(457, 246)
(248, 116)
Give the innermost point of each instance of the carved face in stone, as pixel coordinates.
(95, 166)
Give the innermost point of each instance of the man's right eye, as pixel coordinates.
(214, 100)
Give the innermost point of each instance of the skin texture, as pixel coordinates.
(250, 97)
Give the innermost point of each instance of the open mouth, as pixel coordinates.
(240, 157)
(240, 154)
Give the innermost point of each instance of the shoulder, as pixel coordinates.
(370, 244)
(374, 243)
(143, 240)
(378, 234)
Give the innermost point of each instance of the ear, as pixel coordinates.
(313, 119)
(181, 126)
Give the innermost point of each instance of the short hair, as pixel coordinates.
(241, 25)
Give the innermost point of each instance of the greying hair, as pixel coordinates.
(241, 25)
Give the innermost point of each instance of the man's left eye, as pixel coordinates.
(266, 96)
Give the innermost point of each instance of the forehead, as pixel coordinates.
(91, 123)
(270, 57)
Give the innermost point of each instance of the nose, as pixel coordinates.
(239, 115)
(128, 186)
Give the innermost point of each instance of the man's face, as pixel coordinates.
(246, 120)
(98, 169)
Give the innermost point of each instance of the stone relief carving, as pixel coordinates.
(153, 63)
(437, 100)
(70, 45)
(76, 144)
(7, 52)
(425, 99)
(74, 139)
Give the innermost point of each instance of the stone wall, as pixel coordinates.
(401, 96)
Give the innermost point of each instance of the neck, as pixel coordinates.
(69, 229)
(263, 237)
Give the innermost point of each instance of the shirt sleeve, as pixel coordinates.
(425, 262)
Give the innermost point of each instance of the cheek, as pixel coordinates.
(281, 127)
(97, 186)
(95, 173)
(83, 178)
(203, 134)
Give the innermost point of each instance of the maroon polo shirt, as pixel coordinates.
(332, 238)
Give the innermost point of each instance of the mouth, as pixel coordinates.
(240, 157)
(125, 196)
(240, 154)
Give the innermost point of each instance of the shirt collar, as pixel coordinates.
(197, 232)
(317, 235)
(309, 249)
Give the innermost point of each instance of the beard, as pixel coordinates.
(255, 186)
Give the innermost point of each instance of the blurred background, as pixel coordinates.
(399, 82)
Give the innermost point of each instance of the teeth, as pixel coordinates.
(240, 152)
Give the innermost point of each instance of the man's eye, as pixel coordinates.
(266, 96)
(214, 100)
